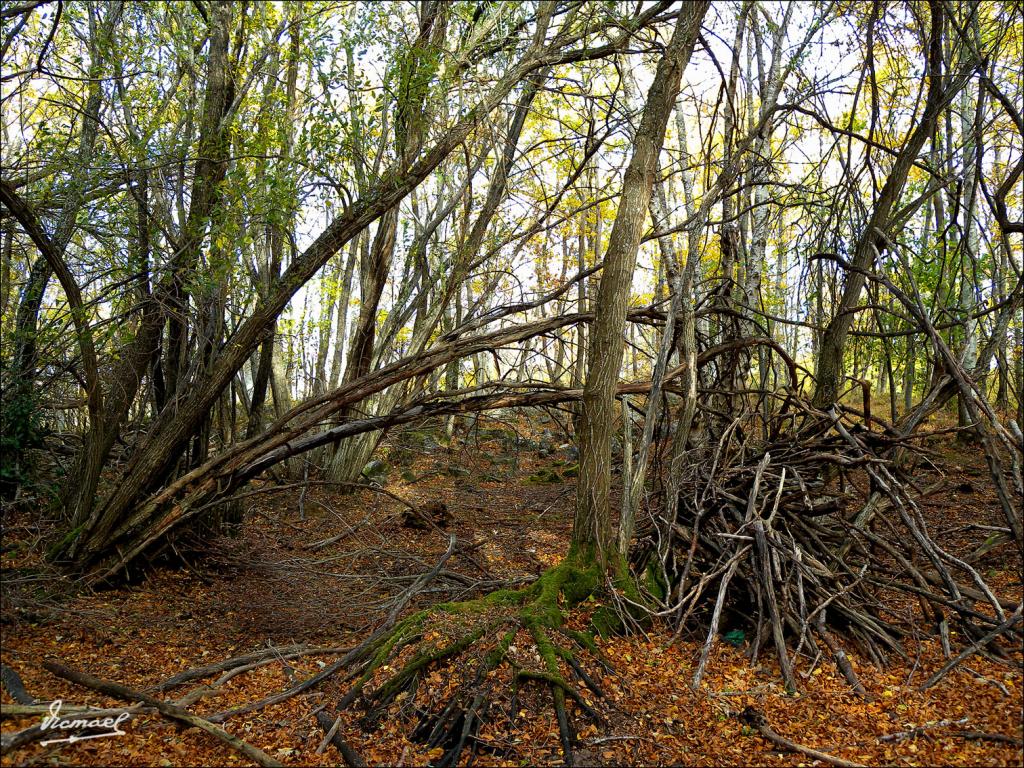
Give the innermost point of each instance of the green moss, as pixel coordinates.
(64, 544)
(581, 583)
(541, 601)
(606, 621)
(539, 607)
(545, 476)
(406, 630)
(495, 657)
(424, 658)
(546, 649)
(654, 581)
(585, 639)
(543, 609)
(498, 598)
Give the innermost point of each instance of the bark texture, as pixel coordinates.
(592, 529)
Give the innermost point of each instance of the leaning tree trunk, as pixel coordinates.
(874, 238)
(210, 171)
(592, 529)
(121, 515)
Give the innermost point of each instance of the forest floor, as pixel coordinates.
(513, 501)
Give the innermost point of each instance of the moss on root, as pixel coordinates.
(567, 583)
(654, 581)
(422, 659)
(541, 609)
(606, 621)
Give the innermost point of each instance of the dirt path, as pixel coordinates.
(513, 514)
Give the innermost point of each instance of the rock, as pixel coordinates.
(431, 514)
(375, 470)
(546, 476)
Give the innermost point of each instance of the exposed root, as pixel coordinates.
(511, 629)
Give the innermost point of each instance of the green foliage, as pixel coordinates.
(20, 430)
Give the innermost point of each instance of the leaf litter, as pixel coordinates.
(269, 588)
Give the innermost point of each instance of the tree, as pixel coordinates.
(875, 236)
(123, 514)
(592, 534)
(280, 231)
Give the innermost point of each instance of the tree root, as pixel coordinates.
(534, 615)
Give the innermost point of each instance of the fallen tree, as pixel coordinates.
(762, 530)
(113, 543)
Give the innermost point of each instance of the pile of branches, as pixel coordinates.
(793, 526)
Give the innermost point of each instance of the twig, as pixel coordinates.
(164, 708)
(245, 663)
(756, 720)
(919, 729)
(330, 734)
(604, 739)
(1004, 627)
(983, 736)
(421, 582)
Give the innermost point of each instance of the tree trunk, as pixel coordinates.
(210, 170)
(344, 299)
(874, 239)
(592, 529)
(349, 461)
(119, 515)
(971, 137)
